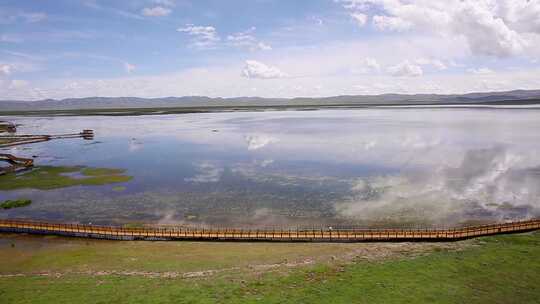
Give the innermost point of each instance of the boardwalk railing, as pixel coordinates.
(16, 140)
(317, 235)
(15, 163)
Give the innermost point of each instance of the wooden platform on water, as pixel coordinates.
(15, 163)
(16, 140)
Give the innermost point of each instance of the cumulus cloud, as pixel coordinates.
(386, 23)
(203, 37)
(255, 69)
(156, 11)
(480, 71)
(486, 33)
(405, 69)
(263, 46)
(490, 27)
(371, 63)
(522, 15)
(359, 18)
(365, 66)
(5, 69)
(438, 64)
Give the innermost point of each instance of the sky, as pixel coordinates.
(269, 48)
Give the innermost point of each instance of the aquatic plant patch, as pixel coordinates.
(51, 177)
(8, 204)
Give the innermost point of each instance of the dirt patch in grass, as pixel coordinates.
(58, 256)
(497, 269)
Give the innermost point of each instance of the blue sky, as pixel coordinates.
(270, 48)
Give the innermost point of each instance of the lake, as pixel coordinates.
(373, 167)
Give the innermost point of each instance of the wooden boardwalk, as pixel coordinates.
(311, 235)
(16, 163)
(16, 140)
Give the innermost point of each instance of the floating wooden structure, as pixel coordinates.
(18, 163)
(15, 163)
(15, 140)
(6, 126)
(296, 235)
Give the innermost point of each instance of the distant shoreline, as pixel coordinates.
(134, 111)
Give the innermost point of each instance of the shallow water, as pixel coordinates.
(367, 167)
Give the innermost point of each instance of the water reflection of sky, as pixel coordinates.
(331, 167)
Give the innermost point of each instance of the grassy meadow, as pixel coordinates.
(499, 269)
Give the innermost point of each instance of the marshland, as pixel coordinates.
(393, 168)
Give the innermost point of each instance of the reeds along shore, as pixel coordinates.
(315, 235)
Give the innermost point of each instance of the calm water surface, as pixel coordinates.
(370, 167)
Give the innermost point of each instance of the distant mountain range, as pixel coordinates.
(508, 97)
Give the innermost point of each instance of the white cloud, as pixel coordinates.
(480, 71)
(359, 18)
(5, 69)
(129, 67)
(330, 76)
(255, 69)
(18, 84)
(523, 15)
(318, 20)
(438, 64)
(486, 33)
(33, 17)
(365, 66)
(371, 63)
(7, 17)
(247, 40)
(204, 37)
(489, 27)
(263, 46)
(168, 3)
(93, 4)
(156, 11)
(386, 23)
(406, 69)
(216, 82)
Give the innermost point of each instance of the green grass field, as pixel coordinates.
(500, 269)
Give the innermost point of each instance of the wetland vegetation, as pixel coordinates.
(383, 168)
(8, 204)
(52, 177)
(268, 178)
